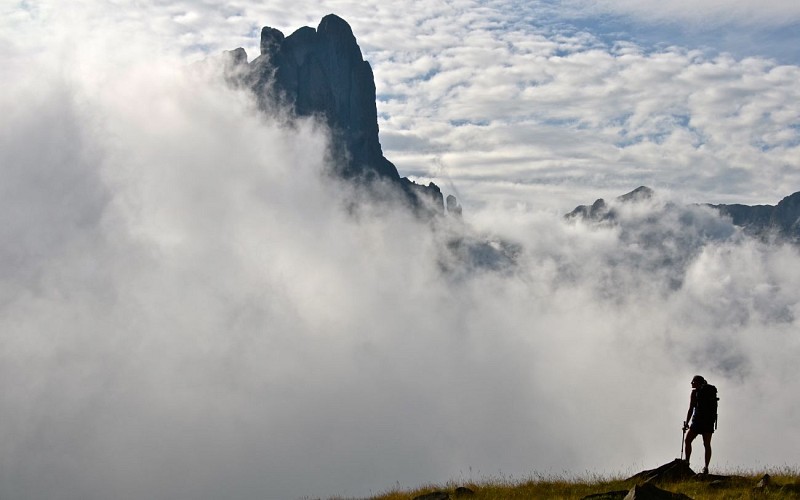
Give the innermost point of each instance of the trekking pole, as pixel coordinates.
(683, 438)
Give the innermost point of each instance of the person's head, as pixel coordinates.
(698, 381)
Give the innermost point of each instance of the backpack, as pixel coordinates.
(707, 402)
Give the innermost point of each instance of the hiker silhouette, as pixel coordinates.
(701, 418)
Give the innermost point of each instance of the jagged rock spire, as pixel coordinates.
(321, 72)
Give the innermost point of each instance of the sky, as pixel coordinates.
(187, 309)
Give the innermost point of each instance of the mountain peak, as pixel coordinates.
(271, 40)
(639, 194)
(334, 26)
(321, 73)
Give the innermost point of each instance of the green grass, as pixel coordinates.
(741, 486)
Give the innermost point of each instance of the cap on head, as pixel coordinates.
(698, 379)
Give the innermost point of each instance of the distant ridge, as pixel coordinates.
(599, 210)
(767, 222)
(321, 72)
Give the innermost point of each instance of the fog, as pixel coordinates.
(190, 310)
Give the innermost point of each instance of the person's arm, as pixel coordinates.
(692, 403)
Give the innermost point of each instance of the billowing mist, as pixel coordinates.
(191, 308)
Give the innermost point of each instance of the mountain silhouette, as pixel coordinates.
(769, 223)
(321, 73)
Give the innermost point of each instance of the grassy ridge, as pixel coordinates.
(784, 484)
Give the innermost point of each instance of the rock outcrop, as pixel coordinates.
(436, 495)
(642, 491)
(321, 73)
(460, 492)
(677, 470)
(766, 485)
(648, 484)
(649, 491)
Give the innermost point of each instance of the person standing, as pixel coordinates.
(702, 417)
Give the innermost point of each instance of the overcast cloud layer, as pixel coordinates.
(772, 13)
(187, 312)
(545, 104)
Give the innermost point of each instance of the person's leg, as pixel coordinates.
(690, 435)
(707, 445)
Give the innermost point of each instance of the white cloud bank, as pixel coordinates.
(501, 103)
(705, 13)
(506, 109)
(187, 312)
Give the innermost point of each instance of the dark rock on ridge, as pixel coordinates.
(436, 495)
(643, 491)
(459, 492)
(649, 491)
(321, 73)
(608, 495)
(677, 470)
(764, 482)
(766, 485)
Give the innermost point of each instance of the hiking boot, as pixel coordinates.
(705, 470)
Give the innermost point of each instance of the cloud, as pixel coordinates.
(187, 309)
(714, 12)
(676, 118)
(519, 88)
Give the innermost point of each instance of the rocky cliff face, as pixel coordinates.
(321, 72)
